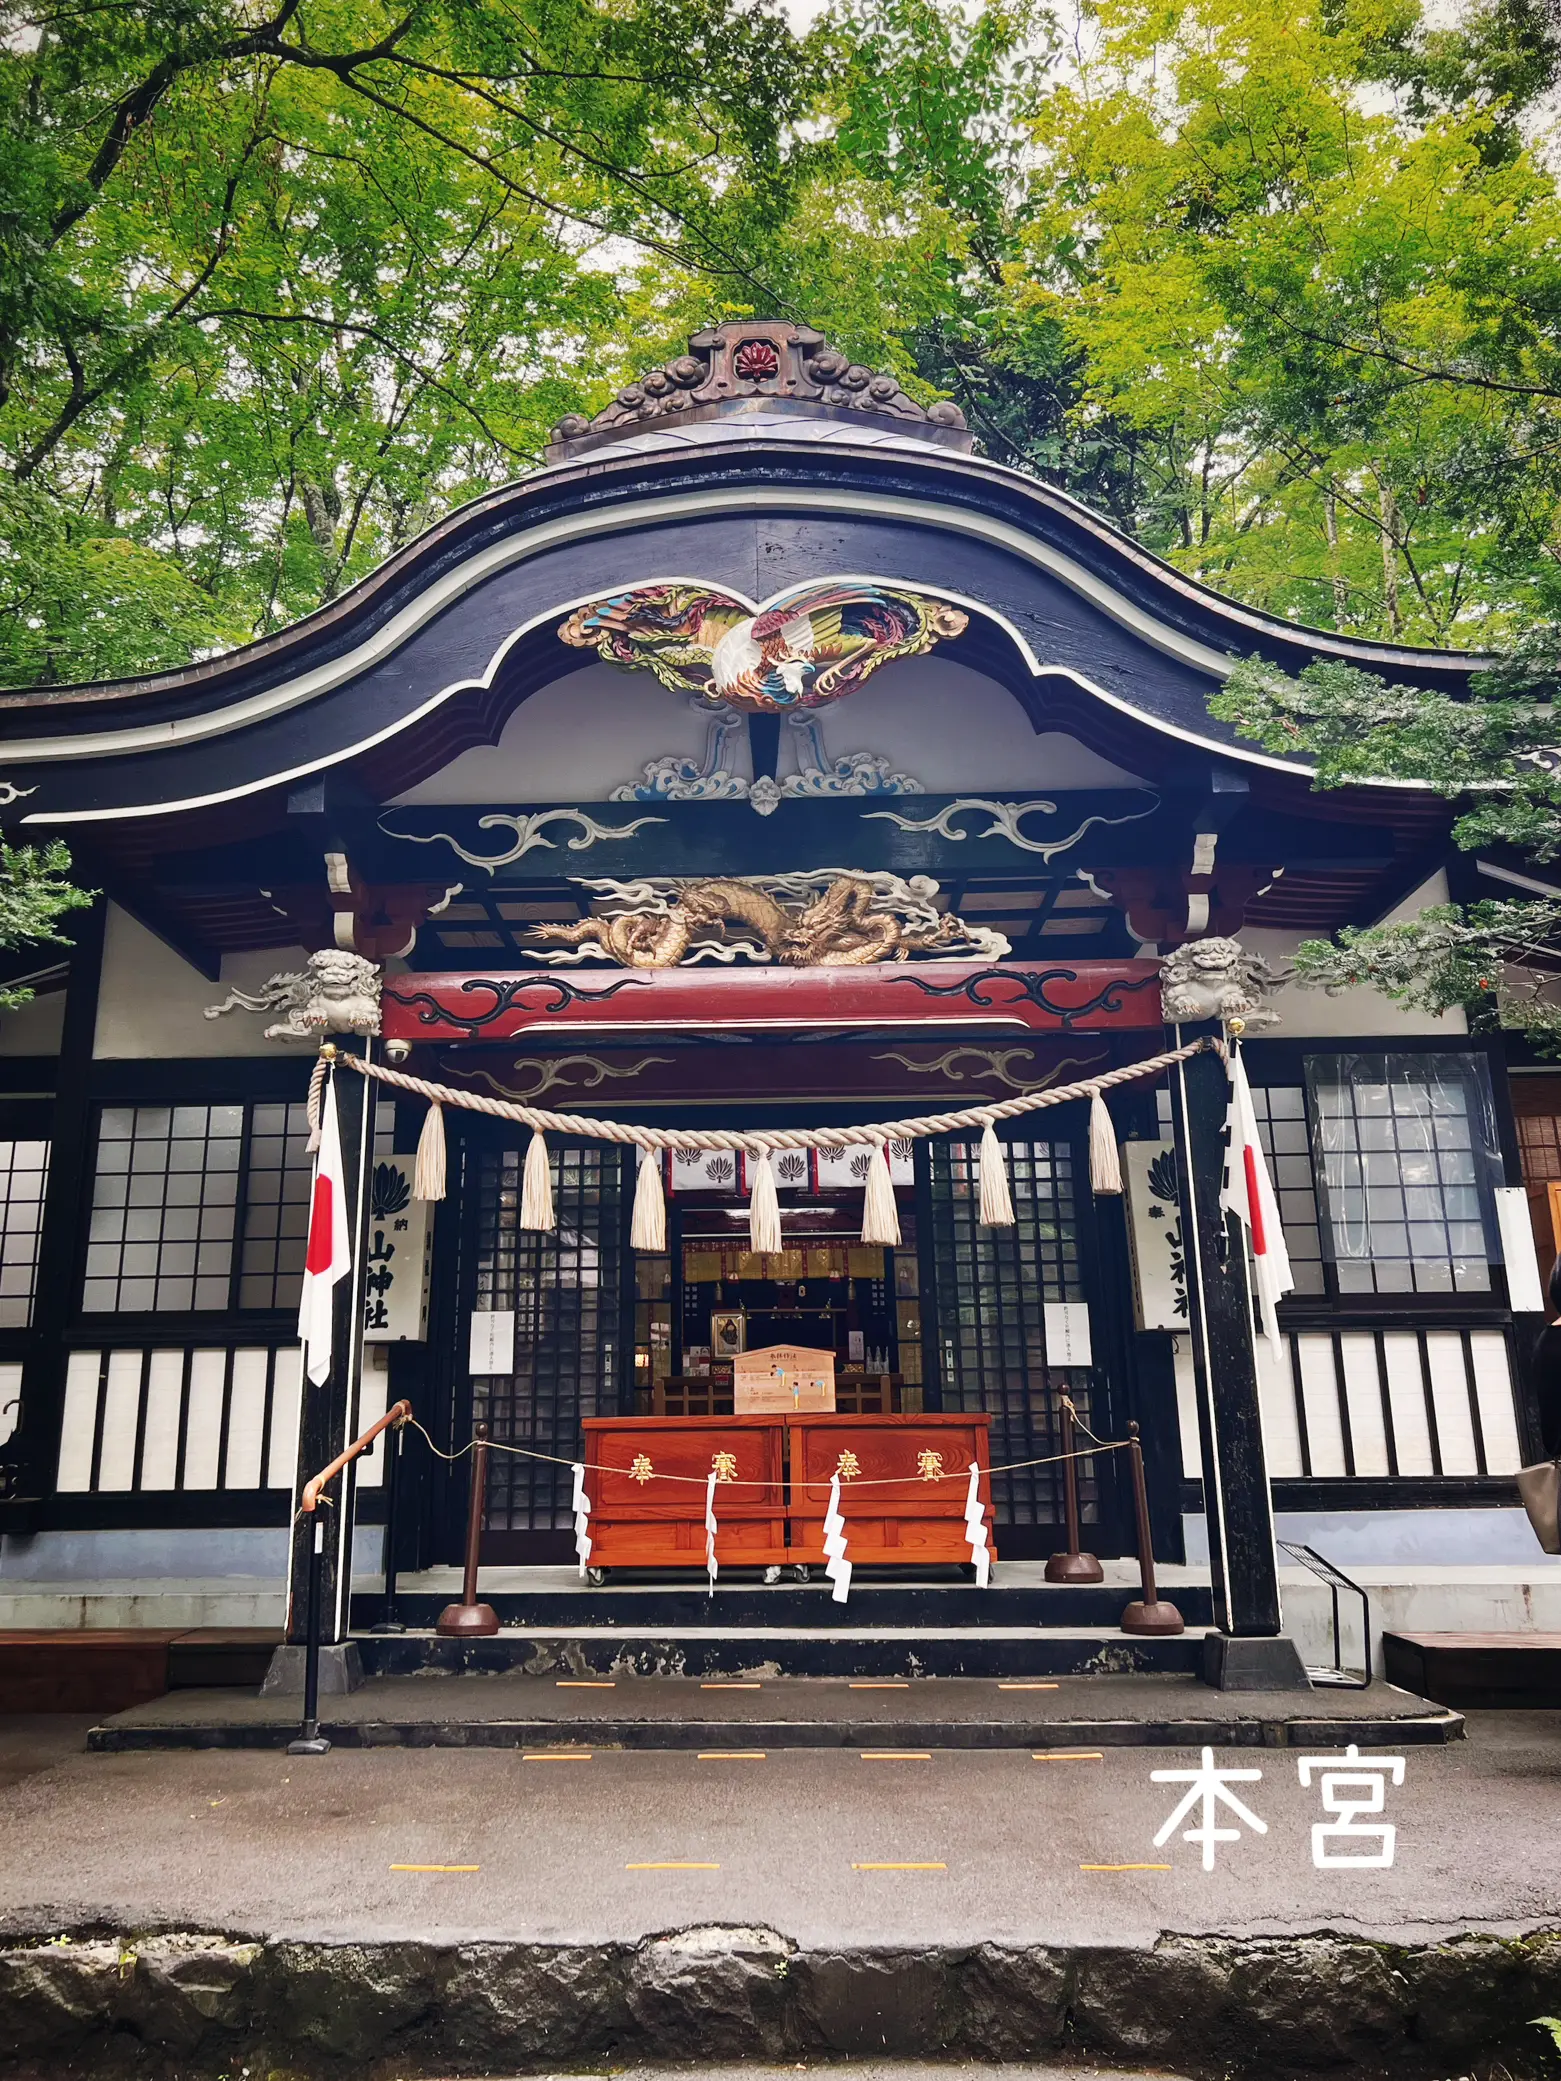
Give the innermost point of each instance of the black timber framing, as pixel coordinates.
(34, 1449)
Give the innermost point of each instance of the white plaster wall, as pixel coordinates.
(953, 730)
(34, 1029)
(150, 1002)
(1314, 1015)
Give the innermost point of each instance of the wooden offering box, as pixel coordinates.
(904, 1516)
(640, 1522)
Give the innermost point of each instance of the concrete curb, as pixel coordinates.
(181, 2001)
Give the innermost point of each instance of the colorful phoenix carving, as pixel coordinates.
(805, 651)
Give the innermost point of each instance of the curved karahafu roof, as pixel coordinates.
(764, 466)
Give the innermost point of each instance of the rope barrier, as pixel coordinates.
(763, 1143)
(554, 1459)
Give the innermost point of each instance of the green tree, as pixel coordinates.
(1497, 756)
(35, 893)
(280, 284)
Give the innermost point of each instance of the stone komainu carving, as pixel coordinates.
(844, 921)
(337, 992)
(1216, 979)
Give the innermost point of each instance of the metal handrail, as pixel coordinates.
(398, 1413)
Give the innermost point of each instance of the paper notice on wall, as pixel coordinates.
(492, 1341)
(1525, 1295)
(1067, 1333)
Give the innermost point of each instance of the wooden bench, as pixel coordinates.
(1476, 1669)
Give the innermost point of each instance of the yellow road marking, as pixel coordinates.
(880, 1684)
(557, 1756)
(1124, 1867)
(1026, 1687)
(729, 1687)
(583, 1683)
(1066, 1756)
(672, 1867)
(733, 1755)
(436, 1867)
(899, 1867)
(896, 1755)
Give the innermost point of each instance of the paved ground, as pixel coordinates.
(821, 1846)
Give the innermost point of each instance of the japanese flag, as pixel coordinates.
(329, 1256)
(1249, 1192)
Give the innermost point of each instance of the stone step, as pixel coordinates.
(646, 1604)
(574, 1716)
(106, 1670)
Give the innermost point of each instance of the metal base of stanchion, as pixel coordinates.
(464, 1621)
(1074, 1568)
(1158, 1617)
(309, 1745)
(388, 1626)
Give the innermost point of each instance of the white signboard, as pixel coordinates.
(492, 1341)
(1154, 1230)
(399, 1257)
(1525, 1295)
(1067, 1333)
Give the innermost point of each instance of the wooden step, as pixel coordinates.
(1476, 1669)
(80, 1670)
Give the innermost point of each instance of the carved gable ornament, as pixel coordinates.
(749, 364)
(802, 652)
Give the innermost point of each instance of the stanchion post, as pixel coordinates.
(389, 1623)
(311, 1742)
(469, 1618)
(1071, 1566)
(1148, 1613)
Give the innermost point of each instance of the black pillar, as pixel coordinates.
(328, 1420)
(1236, 1498)
(57, 1295)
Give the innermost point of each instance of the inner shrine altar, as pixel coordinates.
(904, 1480)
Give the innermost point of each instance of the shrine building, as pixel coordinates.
(767, 759)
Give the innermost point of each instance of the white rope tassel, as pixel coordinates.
(836, 1566)
(1105, 1164)
(975, 1529)
(536, 1186)
(712, 1565)
(582, 1507)
(764, 1224)
(997, 1206)
(880, 1215)
(648, 1230)
(428, 1171)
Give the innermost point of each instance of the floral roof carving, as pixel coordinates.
(759, 363)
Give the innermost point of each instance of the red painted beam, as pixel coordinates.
(963, 996)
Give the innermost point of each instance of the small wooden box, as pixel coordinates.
(782, 1380)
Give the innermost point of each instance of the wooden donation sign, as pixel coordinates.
(783, 1379)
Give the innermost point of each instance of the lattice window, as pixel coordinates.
(163, 1207)
(1406, 1149)
(24, 1173)
(565, 1288)
(991, 1286)
(276, 1207)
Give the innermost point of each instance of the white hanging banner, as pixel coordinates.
(711, 1563)
(582, 1509)
(836, 1566)
(975, 1529)
(1525, 1295)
